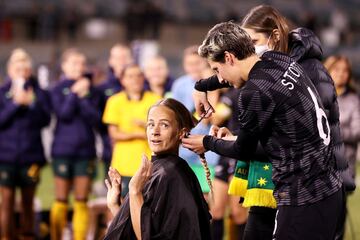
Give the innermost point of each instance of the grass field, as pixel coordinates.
(353, 220)
(46, 194)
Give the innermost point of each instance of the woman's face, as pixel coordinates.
(19, 70)
(74, 66)
(340, 73)
(194, 65)
(119, 58)
(259, 38)
(156, 72)
(227, 72)
(162, 130)
(133, 80)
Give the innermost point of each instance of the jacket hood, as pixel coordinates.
(303, 43)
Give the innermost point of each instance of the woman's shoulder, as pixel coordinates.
(5, 86)
(151, 97)
(62, 83)
(118, 98)
(170, 168)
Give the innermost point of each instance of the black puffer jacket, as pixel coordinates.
(305, 48)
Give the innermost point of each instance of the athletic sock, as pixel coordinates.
(58, 219)
(80, 220)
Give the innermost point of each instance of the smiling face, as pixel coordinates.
(163, 131)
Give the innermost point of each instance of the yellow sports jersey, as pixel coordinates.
(124, 113)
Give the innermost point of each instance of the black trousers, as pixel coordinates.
(260, 224)
(318, 221)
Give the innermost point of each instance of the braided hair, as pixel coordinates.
(207, 174)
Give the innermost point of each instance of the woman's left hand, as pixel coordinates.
(113, 185)
(141, 176)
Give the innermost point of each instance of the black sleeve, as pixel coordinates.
(121, 227)
(210, 84)
(243, 148)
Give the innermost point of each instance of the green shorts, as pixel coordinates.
(125, 185)
(69, 168)
(106, 168)
(200, 174)
(13, 175)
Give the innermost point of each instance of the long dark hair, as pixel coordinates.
(330, 63)
(265, 19)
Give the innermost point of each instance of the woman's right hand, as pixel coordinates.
(141, 176)
(24, 97)
(113, 185)
(81, 87)
(202, 104)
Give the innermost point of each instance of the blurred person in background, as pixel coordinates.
(194, 66)
(24, 111)
(73, 150)
(125, 114)
(339, 68)
(120, 57)
(158, 79)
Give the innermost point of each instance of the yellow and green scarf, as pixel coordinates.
(252, 181)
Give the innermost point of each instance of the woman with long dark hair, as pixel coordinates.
(339, 68)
